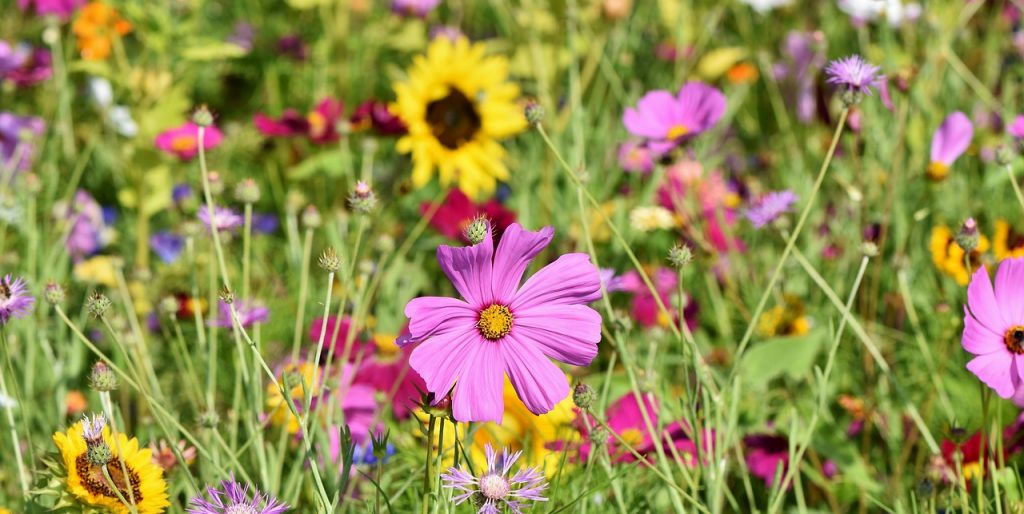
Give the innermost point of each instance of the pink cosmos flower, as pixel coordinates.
(320, 125)
(183, 141)
(765, 454)
(1016, 129)
(360, 342)
(644, 308)
(950, 141)
(994, 327)
(503, 328)
(627, 420)
(666, 120)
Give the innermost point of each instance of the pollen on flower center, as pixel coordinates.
(494, 487)
(241, 508)
(183, 143)
(495, 322)
(1014, 339)
(937, 171)
(677, 131)
(453, 119)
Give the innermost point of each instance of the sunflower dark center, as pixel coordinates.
(1014, 240)
(93, 480)
(453, 119)
(495, 322)
(1014, 339)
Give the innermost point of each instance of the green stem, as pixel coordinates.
(428, 474)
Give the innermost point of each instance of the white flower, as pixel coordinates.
(646, 219)
(763, 6)
(121, 118)
(101, 92)
(6, 402)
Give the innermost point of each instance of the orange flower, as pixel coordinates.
(96, 27)
(742, 73)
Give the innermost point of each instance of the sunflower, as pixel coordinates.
(948, 257)
(86, 481)
(1007, 242)
(457, 104)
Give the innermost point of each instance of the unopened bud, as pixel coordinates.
(209, 419)
(247, 191)
(97, 305)
(1005, 155)
(102, 378)
(216, 183)
(680, 255)
(477, 229)
(534, 112)
(311, 217)
(99, 453)
(968, 237)
(583, 396)
(202, 116)
(54, 293)
(363, 200)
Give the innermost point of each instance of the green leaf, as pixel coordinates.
(307, 4)
(792, 356)
(212, 51)
(157, 192)
(329, 162)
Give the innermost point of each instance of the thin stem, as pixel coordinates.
(428, 482)
(1016, 186)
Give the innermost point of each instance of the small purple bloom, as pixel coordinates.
(248, 314)
(35, 67)
(88, 233)
(59, 8)
(243, 36)
(12, 57)
(13, 141)
(224, 218)
(167, 245)
(805, 58)
(634, 157)
(15, 301)
(853, 74)
(448, 31)
(611, 281)
(495, 491)
(265, 223)
(666, 120)
(181, 193)
(293, 46)
(233, 498)
(418, 8)
(1016, 129)
(769, 207)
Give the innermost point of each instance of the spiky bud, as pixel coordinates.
(97, 305)
(583, 396)
(599, 436)
(54, 293)
(680, 255)
(329, 260)
(247, 191)
(202, 116)
(477, 229)
(534, 112)
(101, 378)
(1005, 155)
(99, 454)
(850, 97)
(968, 237)
(363, 200)
(380, 444)
(209, 419)
(311, 217)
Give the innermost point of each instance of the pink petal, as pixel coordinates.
(1009, 283)
(978, 339)
(982, 301)
(440, 359)
(700, 106)
(651, 118)
(952, 138)
(571, 279)
(431, 315)
(566, 333)
(478, 394)
(539, 383)
(996, 370)
(515, 251)
(469, 269)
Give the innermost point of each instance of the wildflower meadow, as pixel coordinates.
(511, 256)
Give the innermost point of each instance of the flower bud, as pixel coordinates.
(1005, 155)
(102, 378)
(99, 453)
(202, 116)
(329, 260)
(216, 183)
(54, 293)
(97, 305)
(534, 112)
(362, 200)
(583, 396)
(247, 191)
(311, 217)
(476, 231)
(209, 419)
(680, 255)
(968, 237)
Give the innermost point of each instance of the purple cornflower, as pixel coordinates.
(225, 218)
(167, 245)
(853, 74)
(419, 8)
(15, 302)
(494, 487)
(27, 66)
(233, 498)
(248, 313)
(16, 133)
(769, 207)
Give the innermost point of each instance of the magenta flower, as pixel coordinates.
(320, 125)
(392, 375)
(626, 419)
(994, 327)
(418, 8)
(1016, 129)
(853, 74)
(495, 489)
(501, 328)
(765, 454)
(667, 120)
(15, 301)
(950, 141)
(59, 8)
(183, 141)
(635, 157)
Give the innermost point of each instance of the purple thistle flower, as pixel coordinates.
(15, 302)
(13, 141)
(92, 429)
(494, 487)
(854, 74)
(769, 207)
(225, 218)
(233, 498)
(248, 313)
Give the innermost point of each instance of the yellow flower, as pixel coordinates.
(97, 270)
(649, 219)
(520, 430)
(87, 483)
(948, 257)
(1005, 242)
(787, 319)
(457, 104)
(279, 412)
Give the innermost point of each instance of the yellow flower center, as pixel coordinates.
(677, 131)
(1014, 339)
(317, 124)
(495, 322)
(632, 436)
(453, 119)
(183, 143)
(937, 171)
